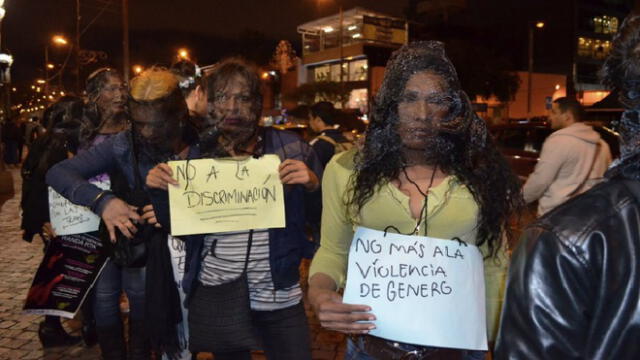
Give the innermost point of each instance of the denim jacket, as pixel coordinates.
(286, 245)
(69, 177)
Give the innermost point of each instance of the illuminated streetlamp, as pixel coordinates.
(137, 69)
(183, 54)
(56, 40)
(60, 40)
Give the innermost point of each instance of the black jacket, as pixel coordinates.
(574, 283)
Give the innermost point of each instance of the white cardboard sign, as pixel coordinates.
(68, 218)
(422, 290)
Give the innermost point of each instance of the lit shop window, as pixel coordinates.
(358, 70)
(605, 24)
(593, 48)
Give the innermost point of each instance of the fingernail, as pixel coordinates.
(371, 327)
(371, 318)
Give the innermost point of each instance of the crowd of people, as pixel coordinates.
(427, 167)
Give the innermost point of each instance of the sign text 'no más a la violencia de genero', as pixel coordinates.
(422, 290)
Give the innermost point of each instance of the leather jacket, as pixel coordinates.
(573, 290)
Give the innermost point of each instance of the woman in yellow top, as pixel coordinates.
(428, 167)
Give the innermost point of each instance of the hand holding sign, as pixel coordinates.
(160, 177)
(333, 313)
(297, 172)
(218, 195)
(424, 291)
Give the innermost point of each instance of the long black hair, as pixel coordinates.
(63, 120)
(462, 148)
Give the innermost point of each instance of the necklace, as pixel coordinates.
(423, 211)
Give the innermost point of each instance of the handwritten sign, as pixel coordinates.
(178, 253)
(68, 218)
(217, 195)
(422, 290)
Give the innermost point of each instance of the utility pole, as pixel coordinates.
(78, 18)
(125, 40)
(340, 43)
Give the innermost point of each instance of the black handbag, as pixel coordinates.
(127, 252)
(220, 316)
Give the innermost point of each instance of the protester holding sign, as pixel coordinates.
(428, 170)
(250, 276)
(62, 120)
(159, 131)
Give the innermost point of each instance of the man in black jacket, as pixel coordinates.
(329, 139)
(574, 283)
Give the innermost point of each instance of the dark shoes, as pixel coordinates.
(111, 342)
(89, 333)
(54, 335)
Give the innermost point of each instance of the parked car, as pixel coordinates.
(521, 143)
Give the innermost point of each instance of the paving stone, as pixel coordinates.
(7, 324)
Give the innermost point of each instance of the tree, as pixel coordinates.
(284, 57)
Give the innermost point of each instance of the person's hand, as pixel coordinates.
(296, 172)
(338, 316)
(119, 214)
(149, 216)
(160, 177)
(47, 230)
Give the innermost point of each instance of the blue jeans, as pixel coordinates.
(112, 281)
(356, 352)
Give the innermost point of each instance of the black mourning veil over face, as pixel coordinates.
(621, 73)
(422, 103)
(158, 112)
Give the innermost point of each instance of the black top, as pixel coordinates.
(324, 149)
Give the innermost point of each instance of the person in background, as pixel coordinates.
(573, 290)
(106, 108)
(11, 138)
(61, 141)
(329, 139)
(572, 160)
(428, 167)
(327, 142)
(190, 82)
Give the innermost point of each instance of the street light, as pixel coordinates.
(183, 54)
(532, 26)
(59, 40)
(137, 69)
(56, 40)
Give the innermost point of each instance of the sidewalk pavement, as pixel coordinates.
(19, 332)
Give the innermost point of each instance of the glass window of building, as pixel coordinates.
(335, 72)
(358, 70)
(322, 73)
(311, 43)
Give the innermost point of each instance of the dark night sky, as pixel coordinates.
(161, 24)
